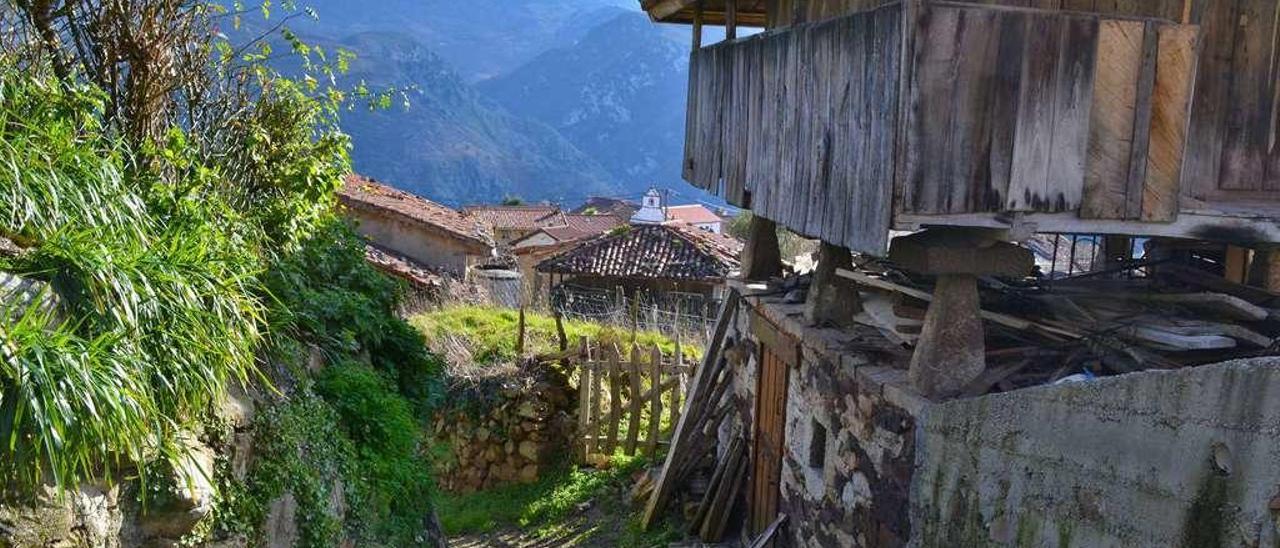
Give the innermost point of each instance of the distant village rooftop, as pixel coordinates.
(669, 251)
(365, 193)
(517, 217)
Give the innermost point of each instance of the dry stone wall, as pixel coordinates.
(504, 430)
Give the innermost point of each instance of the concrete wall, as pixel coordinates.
(431, 247)
(1172, 458)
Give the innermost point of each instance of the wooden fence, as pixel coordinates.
(623, 400)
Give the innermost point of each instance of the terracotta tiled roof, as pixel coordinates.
(672, 251)
(401, 266)
(692, 214)
(577, 227)
(361, 191)
(523, 217)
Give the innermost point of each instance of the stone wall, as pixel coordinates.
(1183, 458)
(1161, 458)
(849, 435)
(505, 429)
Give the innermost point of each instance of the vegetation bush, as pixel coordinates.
(190, 238)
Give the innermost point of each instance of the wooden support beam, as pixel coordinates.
(1236, 264)
(697, 27)
(762, 257)
(731, 20)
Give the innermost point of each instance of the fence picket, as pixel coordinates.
(633, 422)
(655, 400)
(597, 394)
(585, 374)
(615, 401)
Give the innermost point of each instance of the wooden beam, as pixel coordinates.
(697, 27)
(994, 317)
(731, 20)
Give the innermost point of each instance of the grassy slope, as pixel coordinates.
(491, 332)
(570, 506)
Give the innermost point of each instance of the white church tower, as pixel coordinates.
(651, 211)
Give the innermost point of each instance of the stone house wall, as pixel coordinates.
(432, 247)
(849, 446)
(1182, 458)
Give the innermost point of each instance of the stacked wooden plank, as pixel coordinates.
(707, 405)
(1042, 333)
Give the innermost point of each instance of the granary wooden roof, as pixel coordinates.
(672, 251)
(751, 13)
(368, 194)
(521, 217)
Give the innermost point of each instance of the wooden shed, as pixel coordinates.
(845, 119)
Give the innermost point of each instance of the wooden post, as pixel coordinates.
(655, 400)
(682, 381)
(584, 405)
(520, 336)
(597, 394)
(1235, 267)
(1116, 250)
(615, 402)
(761, 258)
(1265, 271)
(730, 19)
(564, 339)
(633, 422)
(697, 27)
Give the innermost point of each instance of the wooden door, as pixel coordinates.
(770, 427)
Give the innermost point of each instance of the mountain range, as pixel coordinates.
(551, 100)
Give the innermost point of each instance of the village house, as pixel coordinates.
(697, 215)
(940, 390)
(413, 235)
(651, 257)
(602, 205)
(512, 222)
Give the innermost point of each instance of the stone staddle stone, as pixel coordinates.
(951, 352)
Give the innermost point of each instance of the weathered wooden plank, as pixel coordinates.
(825, 38)
(1004, 110)
(681, 378)
(846, 69)
(634, 370)
(1141, 124)
(874, 196)
(1249, 125)
(757, 177)
(806, 72)
(690, 118)
(1203, 165)
(615, 401)
(1071, 114)
(1175, 69)
(597, 395)
(585, 373)
(1115, 91)
(1033, 141)
(965, 167)
(703, 378)
(937, 53)
(655, 400)
(790, 114)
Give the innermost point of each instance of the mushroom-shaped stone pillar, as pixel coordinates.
(950, 352)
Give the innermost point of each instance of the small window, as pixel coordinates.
(817, 445)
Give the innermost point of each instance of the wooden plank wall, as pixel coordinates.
(1024, 110)
(800, 125)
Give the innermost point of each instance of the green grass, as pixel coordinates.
(549, 508)
(491, 333)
